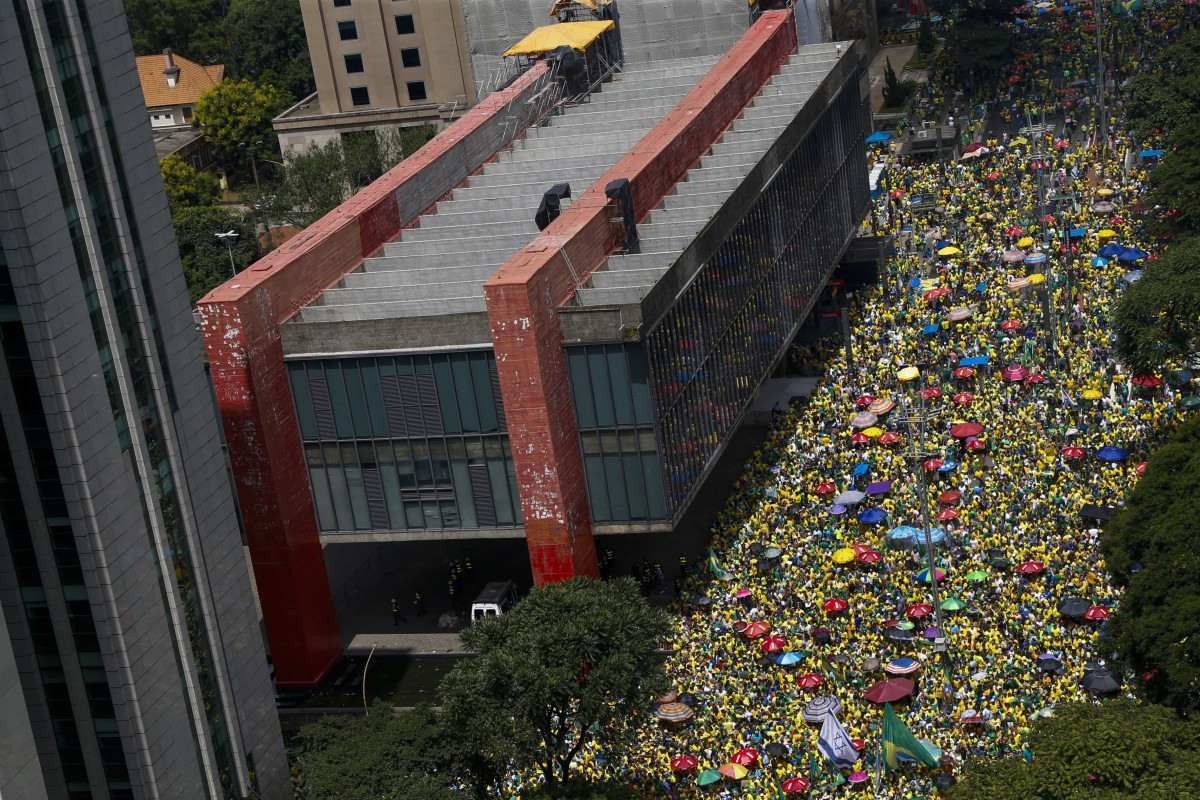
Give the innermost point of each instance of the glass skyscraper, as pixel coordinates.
(129, 615)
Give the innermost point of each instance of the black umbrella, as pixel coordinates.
(821, 635)
(776, 750)
(1050, 666)
(1000, 563)
(757, 549)
(1073, 607)
(1101, 681)
(689, 699)
(898, 635)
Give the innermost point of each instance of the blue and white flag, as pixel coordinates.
(835, 743)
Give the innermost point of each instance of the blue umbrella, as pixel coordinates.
(936, 535)
(1112, 454)
(1077, 233)
(1131, 254)
(1100, 261)
(1152, 153)
(861, 469)
(879, 487)
(1179, 377)
(903, 534)
(789, 659)
(948, 467)
(1035, 258)
(872, 516)
(879, 137)
(981, 287)
(1111, 250)
(907, 229)
(837, 509)
(974, 361)
(931, 329)
(940, 243)
(914, 282)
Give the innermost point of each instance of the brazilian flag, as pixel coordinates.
(899, 740)
(1126, 6)
(714, 566)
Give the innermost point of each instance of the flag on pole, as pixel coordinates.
(715, 567)
(835, 743)
(898, 740)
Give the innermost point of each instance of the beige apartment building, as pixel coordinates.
(379, 64)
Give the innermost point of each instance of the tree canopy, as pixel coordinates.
(193, 28)
(574, 663)
(1117, 750)
(1151, 549)
(186, 185)
(235, 118)
(266, 43)
(1165, 94)
(1158, 318)
(1175, 183)
(205, 257)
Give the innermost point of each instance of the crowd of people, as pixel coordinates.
(995, 310)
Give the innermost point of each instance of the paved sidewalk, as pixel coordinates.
(899, 56)
(414, 644)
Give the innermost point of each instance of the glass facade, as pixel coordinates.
(710, 352)
(130, 310)
(615, 413)
(406, 442)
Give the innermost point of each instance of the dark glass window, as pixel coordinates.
(354, 62)
(405, 442)
(340, 3)
(404, 24)
(359, 96)
(410, 57)
(347, 30)
(416, 90)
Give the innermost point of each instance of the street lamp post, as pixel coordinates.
(916, 422)
(1101, 96)
(229, 237)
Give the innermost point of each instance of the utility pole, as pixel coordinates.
(916, 422)
(1102, 96)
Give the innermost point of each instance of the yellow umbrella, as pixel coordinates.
(1036, 278)
(949, 250)
(734, 771)
(1019, 142)
(1105, 192)
(1091, 394)
(928, 283)
(843, 555)
(1025, 241)
(908, 374)
(1105, 233)
(873, 432)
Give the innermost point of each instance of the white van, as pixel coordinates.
(496, 598)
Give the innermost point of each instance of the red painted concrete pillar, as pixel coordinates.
(271, 478)
(542, 430)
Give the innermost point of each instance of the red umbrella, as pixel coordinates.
(773, 644)
(835, 605)
(1096, 614)
(858, 744)
(932, 464)
(890, 690)
(1036, 377)
(860, 548)
(964, 373)
(936, 294)
(809, 680)
(869, 558)
(1014, 373)
(1140, 469)
(896, 194)
(1010, 325)
(963, 398)
(794, 786)
(824, 488)
(1014, 230)
(919, 610)
(993, 176)
(1030, 568)
(1146, 381)
(1048, 219)
(889, 438)
(1073, 453)
(756, 629)
(859, 438)
(974, 445)
(947, 515)
(747, 757)
(949, 497)
(684, 763)
(864, 400)
(930, 393)
(965, 430)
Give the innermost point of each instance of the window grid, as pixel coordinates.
(406, 442)
(710, 352)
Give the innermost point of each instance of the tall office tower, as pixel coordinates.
(128, 610)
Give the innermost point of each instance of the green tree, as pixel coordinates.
(1151, 550)
(383, 756)
(1158, 318)
(1175, 182)
(895, 91)
(186, 185)
(926, 41)
(235, 118)
(1165, 95)
(266, 43)
(1114, 751)
(205, 257)
(190, 27)
(573, 664)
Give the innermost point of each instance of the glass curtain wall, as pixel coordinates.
(611, 389)
(711, 351)
(406, 442)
